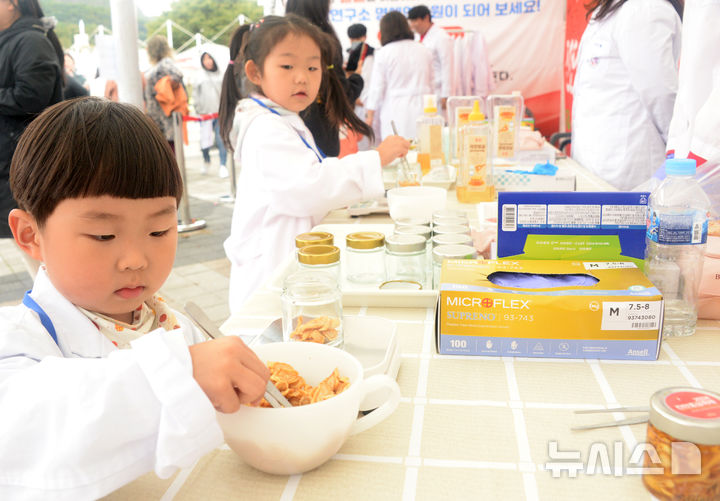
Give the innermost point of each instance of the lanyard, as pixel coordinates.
(44, 318)
(319, 154)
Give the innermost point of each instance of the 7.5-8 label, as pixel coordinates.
(631, 315)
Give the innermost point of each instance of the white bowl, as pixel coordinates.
(416, 201)
(288, 441)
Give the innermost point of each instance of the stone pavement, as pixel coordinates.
(201, 270)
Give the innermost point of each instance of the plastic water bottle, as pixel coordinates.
(676, 238)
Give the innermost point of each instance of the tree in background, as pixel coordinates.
(205, 16)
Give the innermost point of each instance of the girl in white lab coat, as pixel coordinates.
(97, 383)
(625, 87)
(286, 184)
(402, 73)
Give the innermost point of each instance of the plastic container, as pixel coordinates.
(365, 257)
(684, 430)
(458, 111)
(506, 112)
(430, 134)
(423, 231)
(320, 258)
(452, 221)
(312, 308)
(474, 179)
(405, 258)
(442, 252)
(676, 238)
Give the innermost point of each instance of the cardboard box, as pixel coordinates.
(516, 181)
(590, 226)
(618, 317)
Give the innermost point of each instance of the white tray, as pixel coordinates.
(358, 294)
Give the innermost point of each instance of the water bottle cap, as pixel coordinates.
(680, 167)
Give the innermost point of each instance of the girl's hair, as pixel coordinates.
(232, 85)
(212, 59)
(271, 30)
(393, 27)
(606, 7)
(32, 8)
(157, 49)
(88, 147)
(315, 11)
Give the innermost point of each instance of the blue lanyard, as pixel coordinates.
(319, 154)
(44, 318)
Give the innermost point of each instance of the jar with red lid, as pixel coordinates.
(684, 430)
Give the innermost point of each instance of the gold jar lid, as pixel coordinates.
(313, 238)
(365, 240)
(687, 414)
(318, 254)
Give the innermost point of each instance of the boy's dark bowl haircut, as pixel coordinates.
(89, 147)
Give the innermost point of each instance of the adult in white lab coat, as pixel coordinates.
(440, 44)
(278, 198)
(402, 74)
(695, 125)
(361, 58)
(107, 417)
(625, 87)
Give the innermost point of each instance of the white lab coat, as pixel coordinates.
(699, 79)
(402, 74)
(624, 91)
(440, 44)
(83, 418)
(284, 190)
(366, 73)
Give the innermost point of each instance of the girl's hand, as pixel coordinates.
(229, 372)
(391, 148)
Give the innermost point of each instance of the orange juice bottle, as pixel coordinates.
(429, 127)
(474, 180)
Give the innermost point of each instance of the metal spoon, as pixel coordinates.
(272, 394)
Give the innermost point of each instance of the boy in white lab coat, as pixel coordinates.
(97, 383)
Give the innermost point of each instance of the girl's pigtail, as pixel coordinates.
(338, 107)
(231, 91)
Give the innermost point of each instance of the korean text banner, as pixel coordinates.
(525, 38)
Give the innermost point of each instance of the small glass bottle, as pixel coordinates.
(451, 239)
(451, 229)
(452, 221)
(411, 221)
(365, 257)
(405, 258)
(312, 308)
(423, 231)
(320, 258)
(439, 214)
(442, 252)
(313, 238)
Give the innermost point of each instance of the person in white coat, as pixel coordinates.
(286, 186)
(100, 380)
(624, 89)
(402, 74)
(440, 44)
(206, 96)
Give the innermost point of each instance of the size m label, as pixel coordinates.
(631, 315)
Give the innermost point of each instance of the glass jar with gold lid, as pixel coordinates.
(313, 238)
(320, 257)
(365, 257)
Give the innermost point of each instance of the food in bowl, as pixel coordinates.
(297, 391)
(322, 329)
(291, 440)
